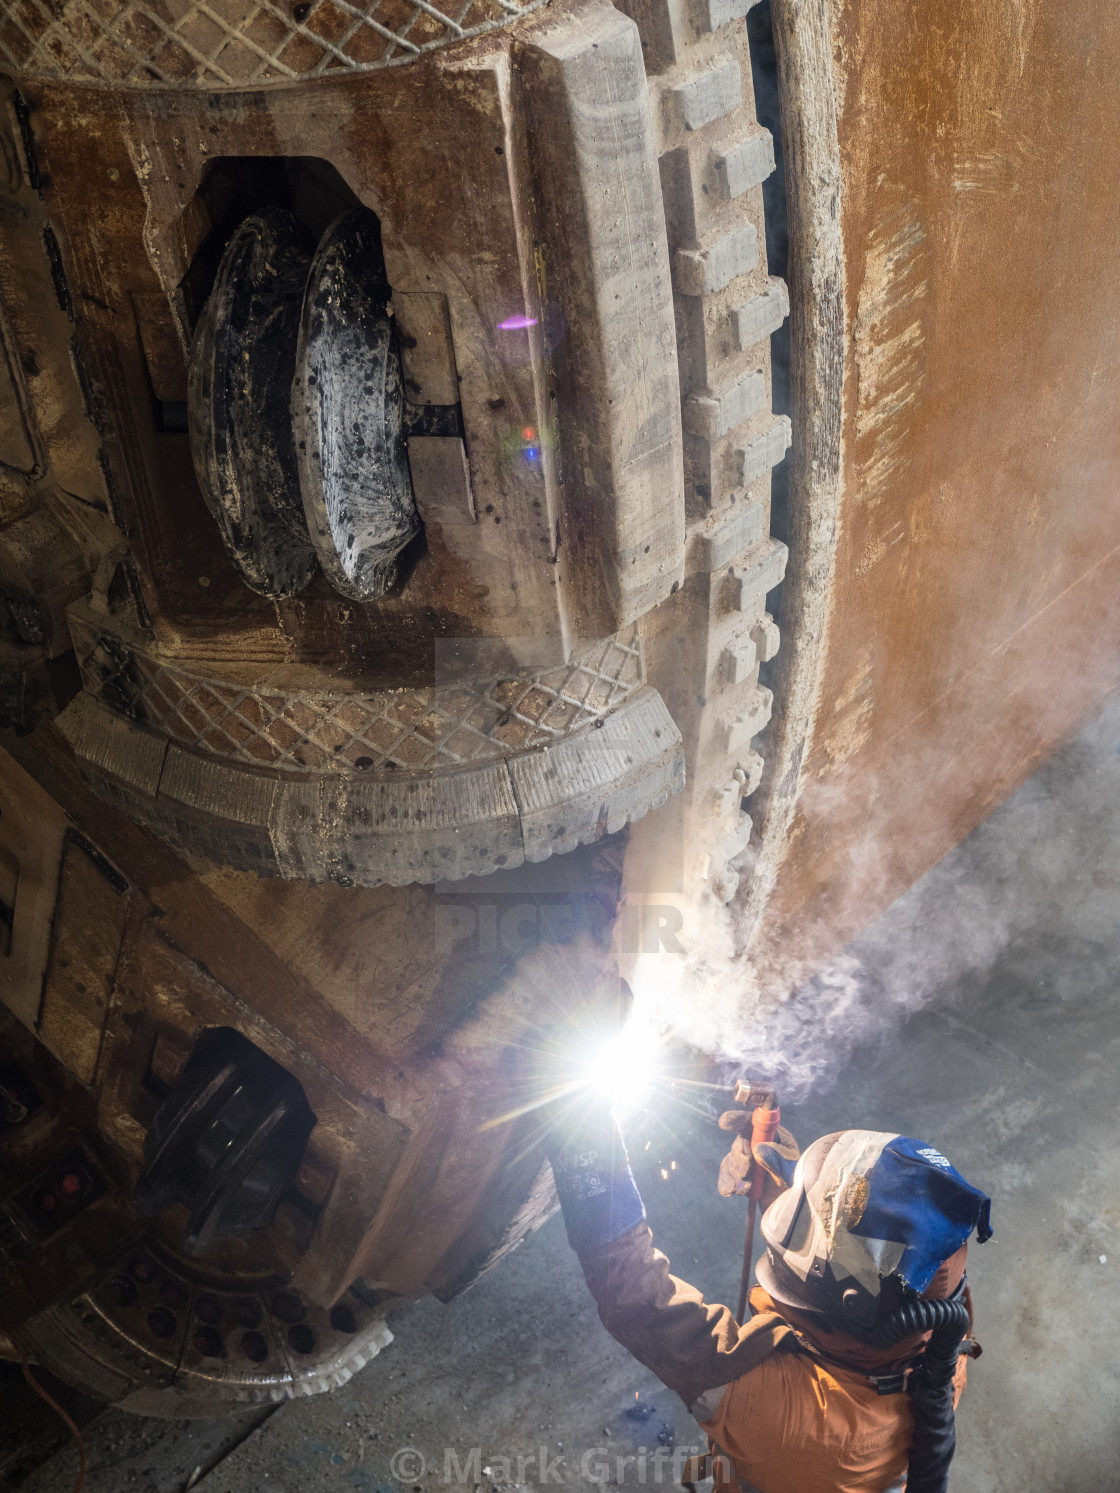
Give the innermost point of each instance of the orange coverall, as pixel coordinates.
(794, 1406)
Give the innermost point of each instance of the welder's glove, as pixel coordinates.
(776, 1157)
(598, 1195)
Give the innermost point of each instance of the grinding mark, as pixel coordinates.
(912, 725)
(852, 711)
(879, 546)
(889, 351)
(995, 68)
(985, 171)
(1025, 14)
(991, 72)
(989, 161)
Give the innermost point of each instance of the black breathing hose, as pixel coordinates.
(920, 1315)
(931, 1384)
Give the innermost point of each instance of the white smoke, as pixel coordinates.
(943, 935)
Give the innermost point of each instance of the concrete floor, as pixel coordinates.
(979, 1013)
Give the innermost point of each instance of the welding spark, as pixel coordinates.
(517, 323)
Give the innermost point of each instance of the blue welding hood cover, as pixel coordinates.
(865, 1205)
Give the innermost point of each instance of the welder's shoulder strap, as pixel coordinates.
(689, 1343)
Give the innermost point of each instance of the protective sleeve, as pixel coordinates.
(664, 1322)
(598, 1195)
(691, 1345)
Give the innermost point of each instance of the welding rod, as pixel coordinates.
(748, 1260)
(764, 1123)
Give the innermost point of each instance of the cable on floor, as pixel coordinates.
(58, 1410)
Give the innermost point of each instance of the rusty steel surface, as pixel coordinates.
(953, 606)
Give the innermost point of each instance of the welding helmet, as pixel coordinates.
(869, 1219)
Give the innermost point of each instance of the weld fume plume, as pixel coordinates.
(951, 924)
(983, 907)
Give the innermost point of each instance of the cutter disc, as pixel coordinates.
(238, 395)
(347, 412)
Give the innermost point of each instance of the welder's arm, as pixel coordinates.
(691, 1345)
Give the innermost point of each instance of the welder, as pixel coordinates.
(845, 1376)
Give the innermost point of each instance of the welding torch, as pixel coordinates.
(765, 1118)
